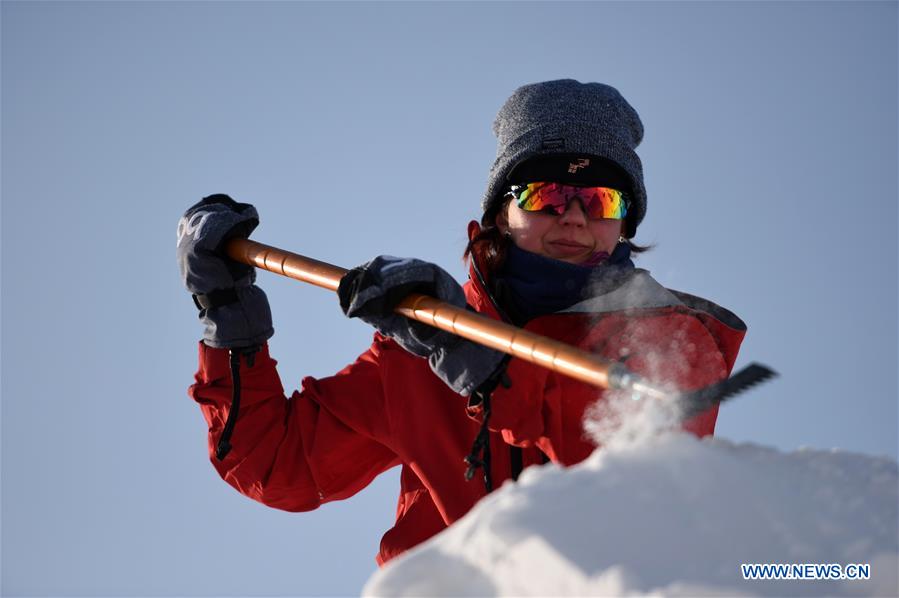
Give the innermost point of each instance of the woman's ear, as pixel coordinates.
(502, 218)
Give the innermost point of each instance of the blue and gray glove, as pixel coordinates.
(234, 310)
(371, 291)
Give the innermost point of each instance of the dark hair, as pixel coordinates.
(496, 245)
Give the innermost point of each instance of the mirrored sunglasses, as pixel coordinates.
(598, 202)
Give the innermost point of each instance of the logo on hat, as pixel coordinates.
(573, 167)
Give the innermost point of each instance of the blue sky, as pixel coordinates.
(363, 128)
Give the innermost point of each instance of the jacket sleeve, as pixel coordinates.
(540, 407)
(294, 453)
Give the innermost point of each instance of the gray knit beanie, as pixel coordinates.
(568, 117)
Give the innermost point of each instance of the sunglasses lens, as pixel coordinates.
(606, 203)
(598, 202)
(540, 197)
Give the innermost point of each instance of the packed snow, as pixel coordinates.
(662, 513)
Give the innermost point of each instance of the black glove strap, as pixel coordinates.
(480, 458)
(216, 298)
(224, 444)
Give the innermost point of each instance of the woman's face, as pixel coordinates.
(571, 237)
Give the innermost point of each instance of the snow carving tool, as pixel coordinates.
(555, 355)
(694, 403)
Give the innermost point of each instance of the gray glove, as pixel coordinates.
(371, 291)
(234, 310)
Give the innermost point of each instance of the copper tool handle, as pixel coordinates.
(531, 347)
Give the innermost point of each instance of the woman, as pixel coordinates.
(552, 253)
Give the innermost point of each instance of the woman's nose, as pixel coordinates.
(574, 214)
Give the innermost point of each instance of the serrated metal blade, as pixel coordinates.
(697, 401)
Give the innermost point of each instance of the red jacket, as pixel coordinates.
(330, 439)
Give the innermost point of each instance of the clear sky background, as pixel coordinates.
(357, 129)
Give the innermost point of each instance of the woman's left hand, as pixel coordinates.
(371, 291)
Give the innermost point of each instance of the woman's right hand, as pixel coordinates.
(202, 233)
(235, 311)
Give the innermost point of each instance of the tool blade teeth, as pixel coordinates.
(700, 400)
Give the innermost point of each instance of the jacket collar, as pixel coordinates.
(638, 290)
(477, 290)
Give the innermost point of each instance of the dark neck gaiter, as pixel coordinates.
(530, 285)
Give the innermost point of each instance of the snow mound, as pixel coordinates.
(667, 516)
